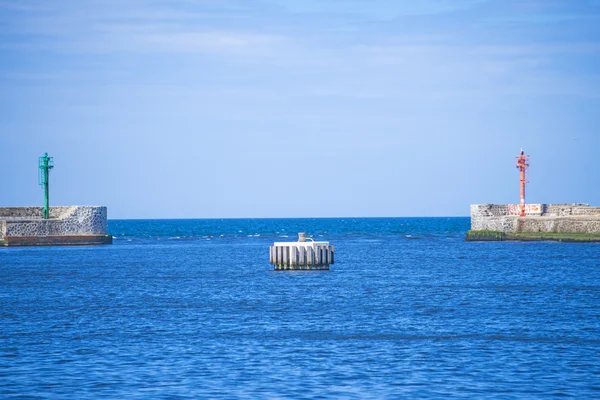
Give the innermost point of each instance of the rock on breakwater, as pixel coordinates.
(67, 225)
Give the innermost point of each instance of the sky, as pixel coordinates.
(299, 108)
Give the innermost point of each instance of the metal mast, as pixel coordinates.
(522, 165)
(45, 165)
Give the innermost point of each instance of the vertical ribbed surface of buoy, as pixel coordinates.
(301, 255)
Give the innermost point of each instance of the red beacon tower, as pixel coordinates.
(522, 165)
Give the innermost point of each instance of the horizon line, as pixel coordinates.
(231, 218)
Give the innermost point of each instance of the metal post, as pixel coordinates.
(45, 165)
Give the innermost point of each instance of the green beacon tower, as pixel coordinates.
(45, 165)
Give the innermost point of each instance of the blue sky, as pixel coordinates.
(298, 108)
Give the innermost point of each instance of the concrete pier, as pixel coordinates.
(72, 225)
(561, 222)
(301, 255)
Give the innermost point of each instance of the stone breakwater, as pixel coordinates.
(68, 225)
(541, 221)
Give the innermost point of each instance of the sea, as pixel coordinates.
(191, 309)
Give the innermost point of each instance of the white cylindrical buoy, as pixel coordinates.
(301, 255)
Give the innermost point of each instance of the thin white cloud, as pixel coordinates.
(138, 26)
(431, 62)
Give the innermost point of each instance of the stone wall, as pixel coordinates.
(63, 221)
(567, 218)
(37, 212)
(560, 225)
(562, 210)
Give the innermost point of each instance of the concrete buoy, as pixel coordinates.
(301, 255)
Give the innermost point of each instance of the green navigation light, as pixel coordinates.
(45, 164)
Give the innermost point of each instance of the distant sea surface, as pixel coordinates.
(192, 309)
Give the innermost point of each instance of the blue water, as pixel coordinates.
(192, 309)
